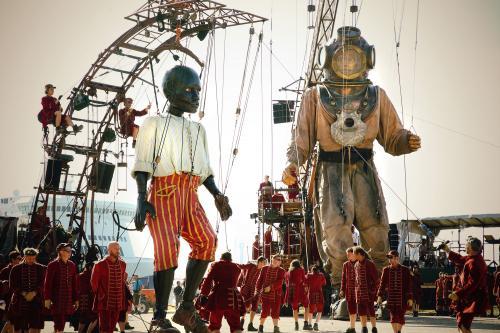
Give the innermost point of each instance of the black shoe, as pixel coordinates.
(77, 128)
(276, 329)
(315, 327)
(61, 130)
(261, 328)
(128, 327)
(296, 325)
(350, 330)
(164, 326)
(364, 329)
(250, 328)
(374, 330)
(307, 327)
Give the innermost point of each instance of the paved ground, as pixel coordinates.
(424, 324)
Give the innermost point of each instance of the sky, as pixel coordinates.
(449, 82)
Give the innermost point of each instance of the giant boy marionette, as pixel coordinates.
(173, 150)
(345, 114)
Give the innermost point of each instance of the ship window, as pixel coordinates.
(99, 237)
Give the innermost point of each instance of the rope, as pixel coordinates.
(397, 39)
(154, 84)
(243, 114)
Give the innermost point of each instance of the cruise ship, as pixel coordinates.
(134, 246)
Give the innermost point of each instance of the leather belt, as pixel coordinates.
(355, 155)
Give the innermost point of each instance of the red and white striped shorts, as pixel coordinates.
(178, 212)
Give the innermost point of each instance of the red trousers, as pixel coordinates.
(59, 321)
(108, 320)
(397, 316)
(252, 303)
(270, 308)
(232, 317)
(352, 306)
(314, 308)
(179, 212)
(366, 309)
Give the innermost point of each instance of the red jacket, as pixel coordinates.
(439, 288)
(295, 287)
(220, 287)
(396, 285)
(496, 286)
(26, 278)
(61, 286)
(315, 283)
(255, 250)
(473, 290)
(86, 294)
(5, 292)
(271, 277)
(127, 118)
(348, 283)
(107, 282)
(367, 281)
(250, 274)
(50, 105)
(277, 200)
(417, 287)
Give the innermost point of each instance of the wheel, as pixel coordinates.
(142, 308)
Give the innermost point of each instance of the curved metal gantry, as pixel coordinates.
(158, 26)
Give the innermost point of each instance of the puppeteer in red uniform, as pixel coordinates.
(315, 281)
(296, 292)
(127, 119)
(5, 292)
(472, 294)
(366, 285)
(86, 299)
(107, 280)
(256, 250)
(396, 287)
(249, 275)
(61, 287)
(270, 284)
(26, 283)
(268, 239)
(348, 283)
(223, 296)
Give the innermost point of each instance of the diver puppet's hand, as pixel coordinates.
(143, 206)
(414, 142)
(289, 173)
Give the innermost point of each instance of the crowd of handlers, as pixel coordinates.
(33, 292)
(99, 295)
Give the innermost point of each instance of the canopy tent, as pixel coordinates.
(410, 231)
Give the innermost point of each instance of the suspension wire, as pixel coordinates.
(269, 48)
(271, 102)
(397, 39)
(154, 84)
(243, 113)
(238, 108)
(415, 66)
(261, 117)
(359, 12)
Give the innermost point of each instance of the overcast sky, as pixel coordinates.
(450, 99)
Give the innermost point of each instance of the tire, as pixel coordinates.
(142, 308)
